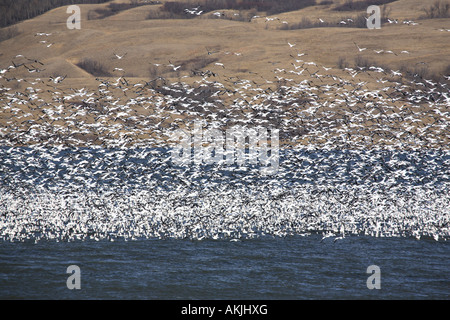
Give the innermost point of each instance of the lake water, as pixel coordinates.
(297, 267)
(139, 227)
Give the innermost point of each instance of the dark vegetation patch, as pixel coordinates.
(8, 33)
(94, 67)
(13, 11)
(351, 5)
(306, 23)
(115, 8)
(194, 66)
(180, 10)
(360, 21)
(438, 10)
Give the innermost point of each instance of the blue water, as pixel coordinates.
(136, 194)
(298, 267)
(140, 167)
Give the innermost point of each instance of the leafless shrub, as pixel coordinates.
(198, 63)
(438, 9)
(362, 62)
(418, 71)
(94, 67)
(342, 63)
(99, 14)
(385, 13)
(92, 15)
(8, 33)
(446, 71)
(153, 72)
(445, 74)
(160, 14)
(360, 21)
(422, 71)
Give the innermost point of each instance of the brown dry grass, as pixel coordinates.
(248, 50)
(158, 41)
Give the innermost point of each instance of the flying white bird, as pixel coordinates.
(390, 51)
(175, 68)
(120, 57)
(360, 49)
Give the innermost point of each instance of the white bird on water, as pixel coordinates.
(112, 215)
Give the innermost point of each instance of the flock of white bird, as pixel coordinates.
(94, 164)
(131, 193)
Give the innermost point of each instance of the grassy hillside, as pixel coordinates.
(184, 40)
(151, 44)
